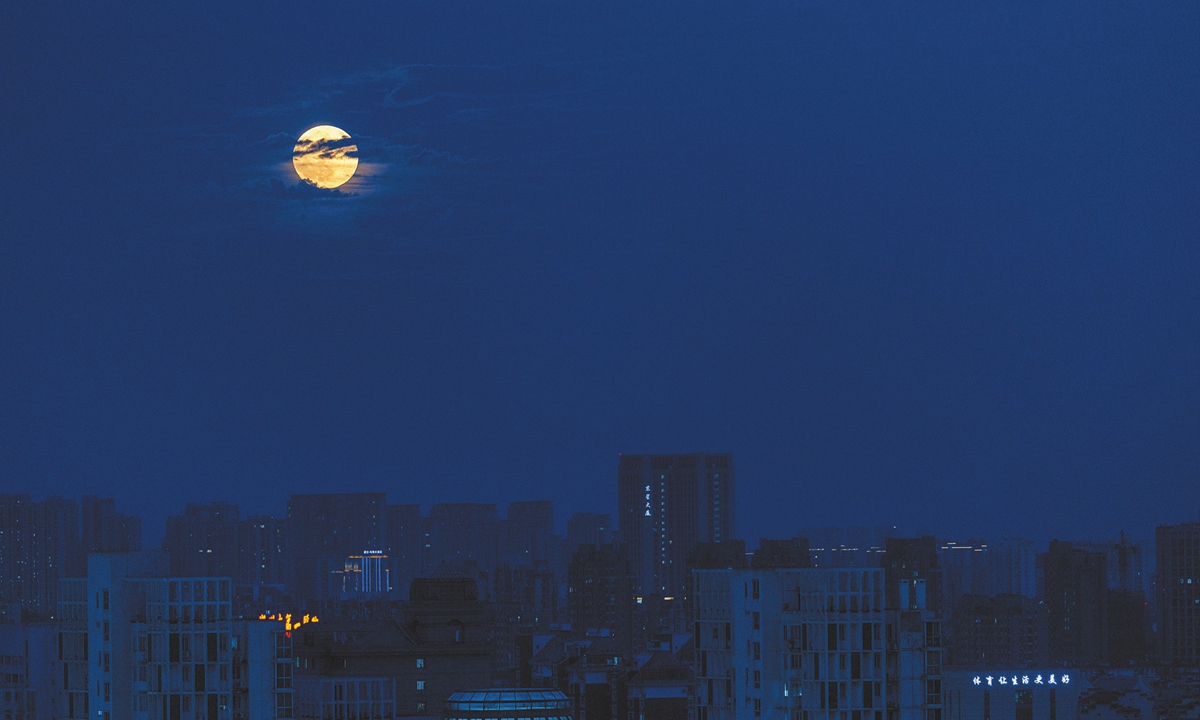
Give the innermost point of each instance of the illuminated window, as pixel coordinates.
(420, 662)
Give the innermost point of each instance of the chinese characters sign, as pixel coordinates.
(1020, 679)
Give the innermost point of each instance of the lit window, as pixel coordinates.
(420, 684)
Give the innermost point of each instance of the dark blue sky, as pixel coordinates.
(918, 263)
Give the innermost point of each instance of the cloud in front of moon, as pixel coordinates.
(325, 156)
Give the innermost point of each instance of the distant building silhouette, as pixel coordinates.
(600, 599)
(328, 529)
(1013, 563)
(203, 541)
(39, 544)
(1003, 632)
(105, 530)
(1075, 594)
(1178, 549)
(667, 504)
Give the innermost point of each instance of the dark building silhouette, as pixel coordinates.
(912, 574)
(264, 556)
(39, 544)
(328, 529)
(1178, 571)
(1004, 632)
(1075, 593)
(781, 554)
(667, 504)
(203, 541)
(464, 535)
(405, 544)
(600, 593)
(663, 688)
(441, 646)
(105, 530)
(526, 535)
(588, 529)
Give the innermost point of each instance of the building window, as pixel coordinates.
(283, 675)
(756, 618)
(421, 706)
(933, 693)
(283, 646)
(283, 705)
(757, 679)
(933, 634)
(420, 662)
(933, 662)
(420, 684)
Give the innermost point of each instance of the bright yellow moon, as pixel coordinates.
(324, 158)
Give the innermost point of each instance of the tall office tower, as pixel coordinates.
(39, 543)
(1075, 597)
(1005, 632)
(105, 530)
(463, 535)
(264, 556)
(527, 534)
(327, 529)
(203, 540)
(405, 544)
(1178, 571)
(1013, 568)
(667, 504)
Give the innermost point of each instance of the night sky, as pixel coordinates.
(926, 264)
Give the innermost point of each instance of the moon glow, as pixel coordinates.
(325, 157)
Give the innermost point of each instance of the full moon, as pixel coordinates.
(324, 157)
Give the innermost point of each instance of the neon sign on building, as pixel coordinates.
(1020, 679)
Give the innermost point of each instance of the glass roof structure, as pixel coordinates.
(507, 703)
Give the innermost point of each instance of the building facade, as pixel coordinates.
(667, 504)
(1178, 548)
(811, 644)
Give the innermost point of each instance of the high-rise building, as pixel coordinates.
(107, 531)
(1076, 604)
(264, 556)
(28, 677)
(811, 643)
(167, 647)
(39, 544)
(1013, 568)
(465, 536)
(965, 570)
(1178, 550)
(203, 541)
(836, 547)
(588, 529)
(1004, 632)
(600, 594)
(527, 533)
(913, 574)
(405, 535)
(327, 529)
(668, 504)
